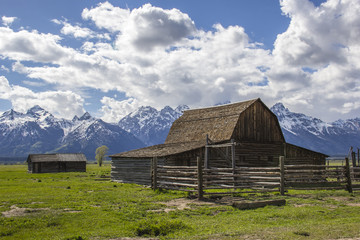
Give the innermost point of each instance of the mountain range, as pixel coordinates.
(333, 138)
(38, 131)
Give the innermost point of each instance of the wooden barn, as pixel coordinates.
(50, 163)
(240, 134)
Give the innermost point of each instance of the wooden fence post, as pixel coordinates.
(154, 173)
(206, 164)
(233, 161)
(200, 178)
(353, 158)
(282, 174)
(348, 176)
(358, 156)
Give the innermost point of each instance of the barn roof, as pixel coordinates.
(161, 150)
(218, 122)
(189, 131)
(57, 157)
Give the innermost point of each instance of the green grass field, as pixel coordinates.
(84, 206)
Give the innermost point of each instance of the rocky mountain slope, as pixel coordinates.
(331, 138)
(150, 125)
(38, 131)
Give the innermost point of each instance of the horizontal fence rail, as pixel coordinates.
(237, 180)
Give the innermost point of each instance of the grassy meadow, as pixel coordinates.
(89, 206)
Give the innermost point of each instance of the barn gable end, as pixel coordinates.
(258, 124)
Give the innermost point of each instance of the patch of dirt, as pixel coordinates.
(19, 212)
(68, 210)
(353, 204)
(302, 205)
(134, 238)
(341, 199)
(346, 239)
(346, 201)
(182, 204)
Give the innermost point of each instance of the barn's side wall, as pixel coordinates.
(258, 124)
(295, 155)
(246, 154)
(250, 154)
(132, 170)
(75, 167)
(54, 167)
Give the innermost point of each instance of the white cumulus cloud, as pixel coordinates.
(158, 57)
(60, 103)
(7, 21)
(114, 110)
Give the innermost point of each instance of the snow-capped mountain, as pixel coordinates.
(150, 125)
(38, 131)
(330, 138)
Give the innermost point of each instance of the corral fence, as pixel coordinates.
(225, 181)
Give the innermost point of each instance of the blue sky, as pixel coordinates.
(110, 57)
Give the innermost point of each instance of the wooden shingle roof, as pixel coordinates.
(161, 150)
(57, 157)
(189, 131)
(218, 122)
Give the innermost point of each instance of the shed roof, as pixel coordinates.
(57, 157)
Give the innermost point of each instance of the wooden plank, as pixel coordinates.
(238, 192)
(177, 184)
(178, 189)
(200, 178)
(348, 176)
(282, 175)
(177, 178)
(178, 167)
(258, 204)
(242, 168)
(311, 166)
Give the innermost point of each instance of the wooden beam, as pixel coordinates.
(258, 204)
(200, 179)
(206, 164)
(348, 176)
(282, 174)
(353, 158)
(154, 172)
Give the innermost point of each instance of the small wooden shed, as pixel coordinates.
(57, 162)
(239, 134)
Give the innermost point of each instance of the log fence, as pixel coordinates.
(237, 180)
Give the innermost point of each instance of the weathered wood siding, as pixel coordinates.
(258, 124)
(132, 170)
(258, 154)
(184, 159)
(53, 167)
(246, 154)
(295, 155)
(75, 167)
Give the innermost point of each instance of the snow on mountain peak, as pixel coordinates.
(10, 115)
(150, 125)
(75, 118)
(86, 116)
(36, 110)
(181, 108)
